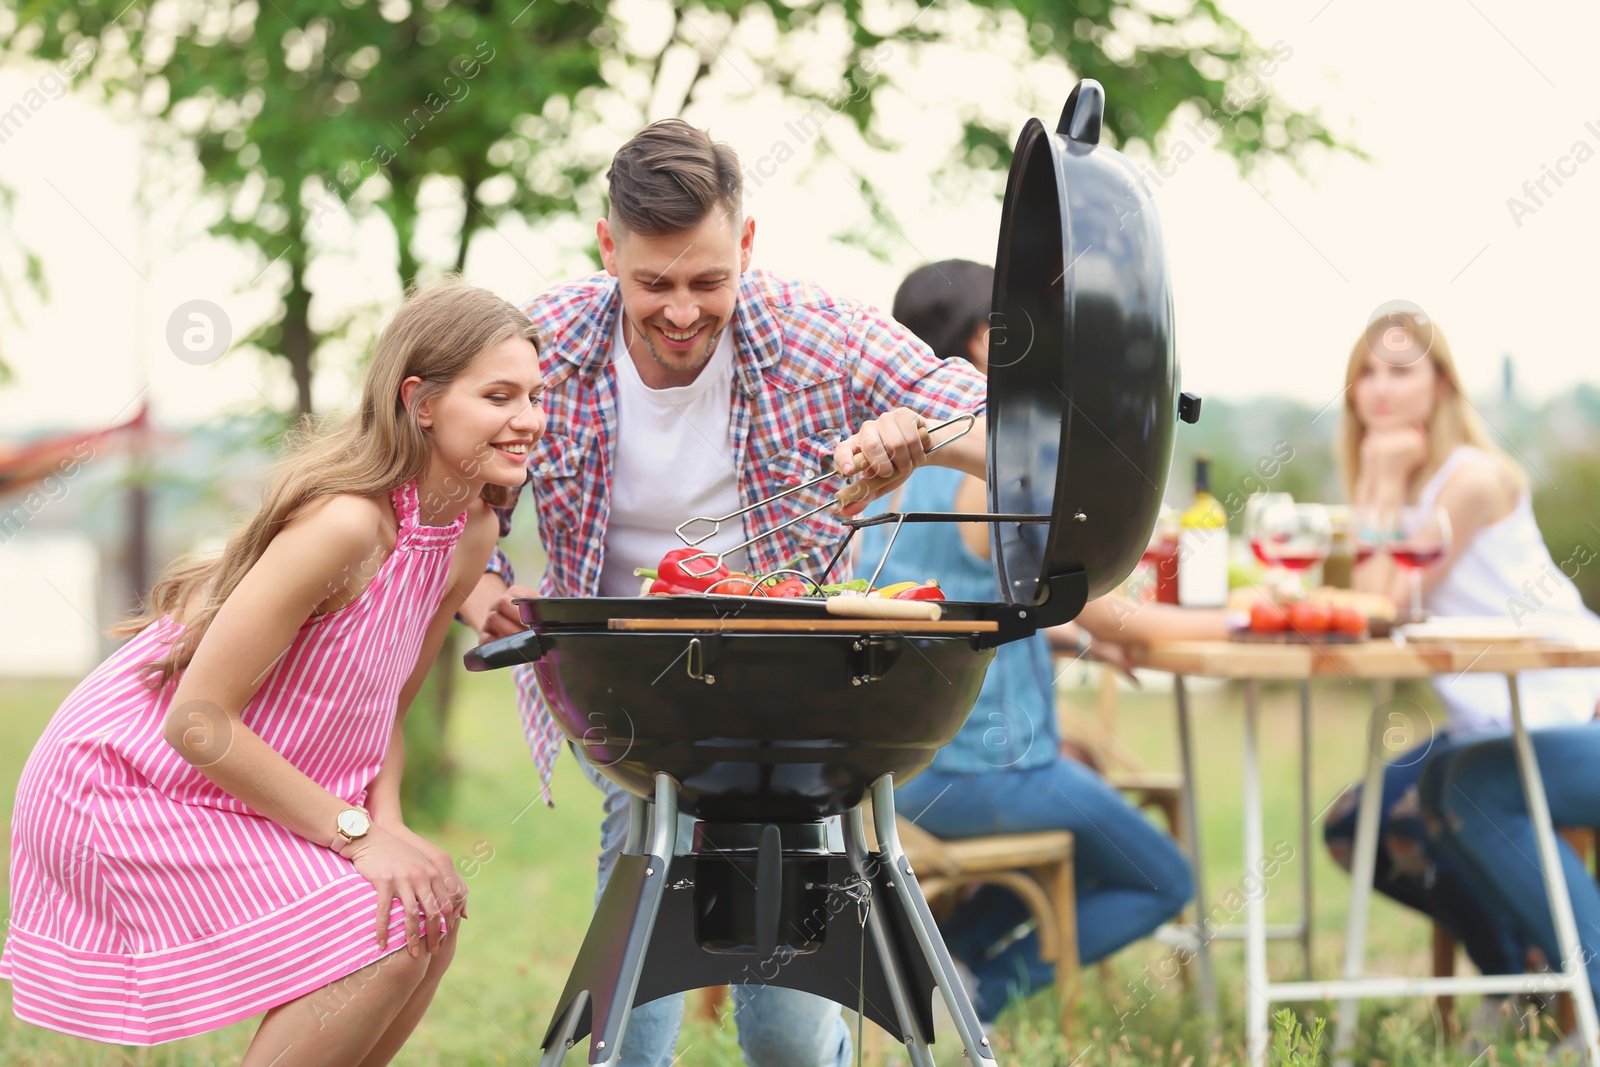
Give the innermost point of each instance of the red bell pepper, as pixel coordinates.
(929, 590)
(692, 575)
(661, 585)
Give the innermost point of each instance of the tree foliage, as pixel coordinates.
(299, 109)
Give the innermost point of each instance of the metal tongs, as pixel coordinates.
(716, 558)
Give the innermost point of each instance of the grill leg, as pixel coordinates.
(638, 821)
(978, 1050)
(916, 1042)
(562, 1031)
(643, 878)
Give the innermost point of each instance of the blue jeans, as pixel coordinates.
(1130, 877)
(1472, 792)
(1417, 872)
(777, 1027)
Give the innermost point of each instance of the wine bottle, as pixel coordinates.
(1203, 545)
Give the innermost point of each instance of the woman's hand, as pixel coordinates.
(1394, 455)
(444, 867)
(398, 869)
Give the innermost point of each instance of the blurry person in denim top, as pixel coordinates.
(1004, 772)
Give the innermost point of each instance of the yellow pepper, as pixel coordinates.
(889, 591)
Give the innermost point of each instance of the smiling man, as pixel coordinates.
(682, 383)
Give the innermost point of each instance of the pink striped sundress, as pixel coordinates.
(149, 905)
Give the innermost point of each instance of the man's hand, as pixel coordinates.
(504, 619)
(884, 452)
(490, 611)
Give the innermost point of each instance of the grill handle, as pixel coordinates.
(506, 652)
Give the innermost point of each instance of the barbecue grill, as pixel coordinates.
(764, 717)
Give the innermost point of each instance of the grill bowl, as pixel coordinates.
(790, 727)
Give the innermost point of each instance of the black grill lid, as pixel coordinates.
(1082, 372)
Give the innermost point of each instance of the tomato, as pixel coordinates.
(788, 587)
(1267, 618)
(1309, 618)
(1347, 621)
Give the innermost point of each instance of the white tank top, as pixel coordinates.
(1506, 570)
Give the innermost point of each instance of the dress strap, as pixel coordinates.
(407, 508)
(414, 533)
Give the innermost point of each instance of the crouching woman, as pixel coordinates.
(210, 826)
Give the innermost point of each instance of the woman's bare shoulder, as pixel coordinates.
(1481, 486)
(348, 518)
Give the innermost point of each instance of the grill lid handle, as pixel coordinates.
(1081, 118)
(1189, 408)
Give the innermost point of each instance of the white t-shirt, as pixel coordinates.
(673, 461)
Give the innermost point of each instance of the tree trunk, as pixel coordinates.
(401, 208)
(297, 340)
(470, 215)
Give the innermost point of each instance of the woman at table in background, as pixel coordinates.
(1004, 772)
(1411, 445)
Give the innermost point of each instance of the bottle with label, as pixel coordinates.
(1203, 545)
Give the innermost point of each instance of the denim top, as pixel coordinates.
(1013, 725)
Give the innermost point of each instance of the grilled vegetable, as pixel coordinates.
(789, 587)
(693, 577)
(661, 585)
(889, 592)
(928, 590)
(859, 585)
(736, 584)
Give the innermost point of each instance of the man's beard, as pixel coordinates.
(677, 368)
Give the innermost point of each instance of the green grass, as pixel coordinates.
(533, 886)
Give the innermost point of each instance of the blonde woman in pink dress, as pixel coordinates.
(210, 827)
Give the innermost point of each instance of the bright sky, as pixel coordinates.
(1459, 102)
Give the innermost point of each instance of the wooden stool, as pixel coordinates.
(1036, 867)
(1582, 841)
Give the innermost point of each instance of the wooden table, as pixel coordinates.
(1380, 662)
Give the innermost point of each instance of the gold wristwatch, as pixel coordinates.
(353, 824)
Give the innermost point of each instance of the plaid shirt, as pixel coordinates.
(809, 370)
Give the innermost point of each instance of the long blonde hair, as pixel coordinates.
(435, 335)
(1453, 422)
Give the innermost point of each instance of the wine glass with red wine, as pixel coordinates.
(1253, 534)
(1373, 530)
(1424, 542)
(1294, 536)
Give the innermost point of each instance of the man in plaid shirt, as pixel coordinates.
(733, 384)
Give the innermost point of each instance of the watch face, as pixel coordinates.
(352, 822)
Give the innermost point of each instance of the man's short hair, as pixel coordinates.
(669, 177)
